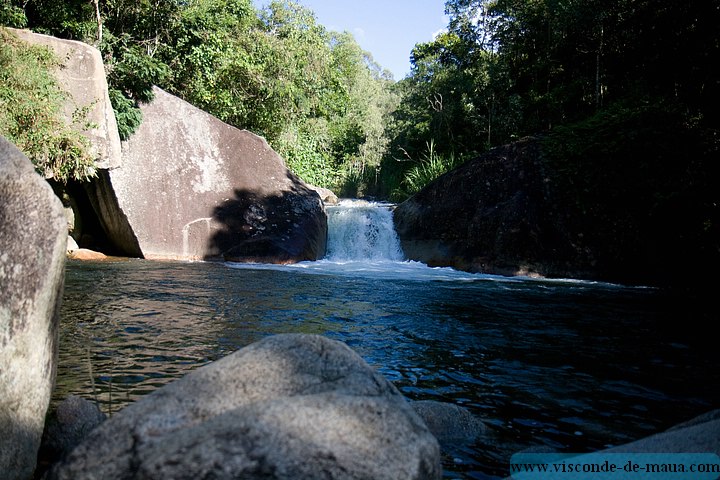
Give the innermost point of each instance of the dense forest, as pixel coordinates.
(623, 92)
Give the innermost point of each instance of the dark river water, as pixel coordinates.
(575, 366)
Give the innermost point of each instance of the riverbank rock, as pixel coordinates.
(33, 234)
(85, 254)
(193, 187)
(326, 195)
(637, 210)
(490, 215)
(83, 76)
(289, 406)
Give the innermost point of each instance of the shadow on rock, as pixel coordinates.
(286, 228)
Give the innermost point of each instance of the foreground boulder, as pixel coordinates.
(193, 187)
(33, 235)
(699, 435)
(289, 406)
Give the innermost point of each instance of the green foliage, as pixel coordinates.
(639, 175)
(504, 69)
(431, 166)
(72, 19)
(315, 95)
(11, 15)
(31, 104)
(127, 115)
(304, 157)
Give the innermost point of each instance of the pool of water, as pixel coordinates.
(576, 366)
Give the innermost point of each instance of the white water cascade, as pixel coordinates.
(362, 243)
(361, 231)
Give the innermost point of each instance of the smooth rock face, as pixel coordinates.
(83, 77)
(33, 235)
(193, 187)
(289, 406)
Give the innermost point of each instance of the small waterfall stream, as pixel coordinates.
(360, 230)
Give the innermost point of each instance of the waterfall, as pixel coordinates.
(360, 230)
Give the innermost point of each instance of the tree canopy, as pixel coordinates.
(503, 69)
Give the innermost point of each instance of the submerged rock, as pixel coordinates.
(289, 406)
(33, 236)
(451, 424)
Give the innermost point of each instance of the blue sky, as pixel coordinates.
(388, 29)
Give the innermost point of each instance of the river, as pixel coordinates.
(572, 365)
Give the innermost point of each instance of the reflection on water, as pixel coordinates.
(570, 365)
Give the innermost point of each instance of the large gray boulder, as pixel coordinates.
(193, 187)
(289, 406)
(82, 76)
(33, 235)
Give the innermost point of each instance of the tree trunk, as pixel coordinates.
(99, 21)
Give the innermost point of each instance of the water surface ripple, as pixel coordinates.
(575, 366)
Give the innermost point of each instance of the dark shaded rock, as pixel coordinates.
(193, 187)
(637, 205)
(451, 424)
(490, 215)
(66, 426)
(289, 406)
(33, 236)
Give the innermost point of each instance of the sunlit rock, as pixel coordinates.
(33, 236)
(289, 406)
(86, 254)
(82, 76)
(326, 195)
(193, 187)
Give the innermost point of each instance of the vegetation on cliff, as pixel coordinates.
(615, 86)
(31, 112)
(315, 95)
